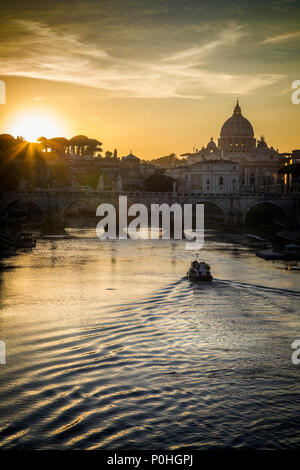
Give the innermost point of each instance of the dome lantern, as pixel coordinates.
(237, 110)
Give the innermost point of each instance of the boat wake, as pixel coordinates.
(160, 373)
(258, 287)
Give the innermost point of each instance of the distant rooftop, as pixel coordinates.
(208, 162)
(130, 156)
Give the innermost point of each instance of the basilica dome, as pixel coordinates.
(237, 133)
(237, 125)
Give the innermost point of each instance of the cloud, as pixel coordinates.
(282, 38)
(228, 37)
(50, 54)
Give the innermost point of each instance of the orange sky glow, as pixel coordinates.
(156, 80)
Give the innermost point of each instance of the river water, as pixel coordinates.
(109, 346)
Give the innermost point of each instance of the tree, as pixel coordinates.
(58, 145)
(82, 145)
(93, 146)
(88, 178)
(158, 182)
(60, 173)
(168, 161)
(6, 140)
(43, 141)
(78, 144)
(20, 160)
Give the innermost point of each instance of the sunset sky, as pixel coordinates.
(153, 77)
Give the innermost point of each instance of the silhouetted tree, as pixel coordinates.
(94, 146)
(82, 145)
(58, 144)
(20, 160)
(167, 161)
(43, 141)
(78, 144)
(159, 182)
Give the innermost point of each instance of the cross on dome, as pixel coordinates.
(237, 109)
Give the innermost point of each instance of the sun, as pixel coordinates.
(32, 125)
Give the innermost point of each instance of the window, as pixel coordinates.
(221, 180)
(208, 181)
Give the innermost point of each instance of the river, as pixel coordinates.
(108, 346)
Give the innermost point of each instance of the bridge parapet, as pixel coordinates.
(56, 191)
(53, 202)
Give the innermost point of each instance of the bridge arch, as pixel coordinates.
(21, 201)
(265, 208)
(130, 202)
(215, 208)
(72, 203)
(215, 211)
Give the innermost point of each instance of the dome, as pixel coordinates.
(262, 144)
(237, 125)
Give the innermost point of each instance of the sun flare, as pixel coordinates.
(32, 125)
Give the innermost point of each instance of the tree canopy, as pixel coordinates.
(158, 182)
(167, 161)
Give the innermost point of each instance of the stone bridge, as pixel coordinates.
(233, 208)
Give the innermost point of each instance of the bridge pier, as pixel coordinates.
(235, 219)
(52, 222)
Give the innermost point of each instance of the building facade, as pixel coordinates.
(208, 177)
(258, 163)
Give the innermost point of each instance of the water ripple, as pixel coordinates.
(190, 366)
